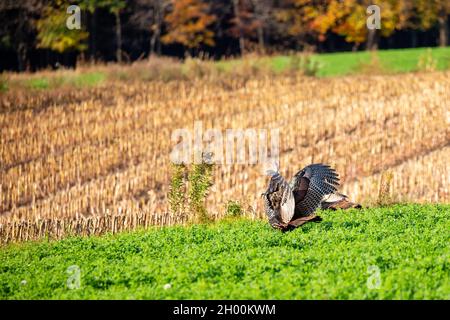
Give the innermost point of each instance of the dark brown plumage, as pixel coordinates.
(289, 205)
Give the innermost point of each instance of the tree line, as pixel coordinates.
(34, 32)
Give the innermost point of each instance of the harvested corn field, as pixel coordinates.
(82, 161)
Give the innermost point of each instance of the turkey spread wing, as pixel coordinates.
(309, 187)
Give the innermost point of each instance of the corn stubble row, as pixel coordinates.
(75, 166)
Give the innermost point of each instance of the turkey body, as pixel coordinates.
(289, 205)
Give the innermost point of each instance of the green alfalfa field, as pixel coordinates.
(395, 252)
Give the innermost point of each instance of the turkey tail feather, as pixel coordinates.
(339, 201)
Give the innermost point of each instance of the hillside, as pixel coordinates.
(242, 259)
(88, 160)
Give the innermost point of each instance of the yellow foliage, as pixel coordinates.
(53, 33)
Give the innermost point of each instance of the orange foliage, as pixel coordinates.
(188, 24)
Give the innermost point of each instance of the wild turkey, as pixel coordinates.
(289, 205)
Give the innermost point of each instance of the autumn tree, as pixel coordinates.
(149, 15)
(433, 12)
(55, 35)
(264, 18)
(348, 18)
(188, 23)
(53, 32)
(245, 23)
(297, 20)
(409, 19)
(251, 20)
(114, 7)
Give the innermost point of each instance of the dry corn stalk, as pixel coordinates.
(94, 154)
